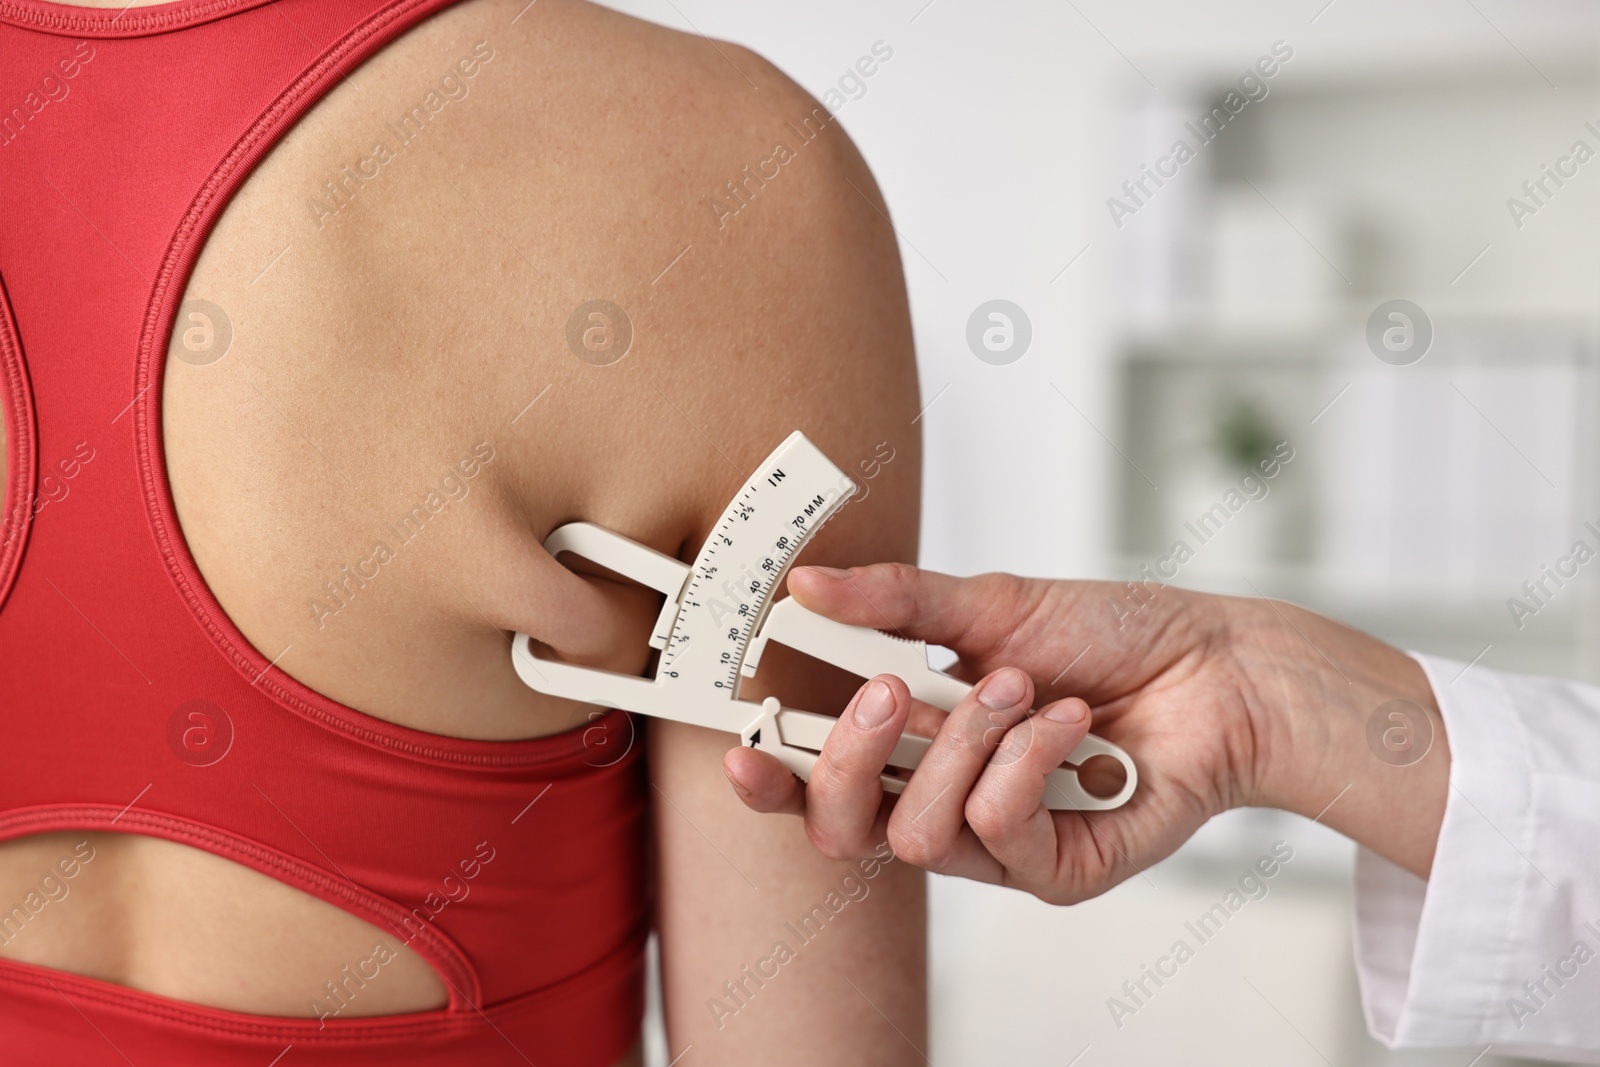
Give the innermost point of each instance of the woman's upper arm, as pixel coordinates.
(772, 953)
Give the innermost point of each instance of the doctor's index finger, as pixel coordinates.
(970, 615)
(762, 783)
(844, 797)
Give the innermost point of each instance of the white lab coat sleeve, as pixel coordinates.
(1501, 945)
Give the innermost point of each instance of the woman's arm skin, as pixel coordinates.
(1222, 703)
(771, 952)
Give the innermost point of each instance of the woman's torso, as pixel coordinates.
(372, 419)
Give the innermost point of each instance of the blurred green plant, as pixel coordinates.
(1243, 434)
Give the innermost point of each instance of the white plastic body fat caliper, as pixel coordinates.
(719, 616)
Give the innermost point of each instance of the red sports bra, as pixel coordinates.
(129, 702)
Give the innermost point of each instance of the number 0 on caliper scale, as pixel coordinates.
(719, 615)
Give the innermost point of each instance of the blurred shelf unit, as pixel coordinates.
(1423, 501)
(1414, 500)
(1490, 436)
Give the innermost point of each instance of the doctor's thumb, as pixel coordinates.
(896, 598)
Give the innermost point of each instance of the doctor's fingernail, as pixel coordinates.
(874, 706)
(1071, 712)
(1004, 690)
(737, 788)
(831, 572)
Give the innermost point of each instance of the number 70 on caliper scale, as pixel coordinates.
(720, 613)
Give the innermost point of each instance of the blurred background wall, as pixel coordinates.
(1179, 337)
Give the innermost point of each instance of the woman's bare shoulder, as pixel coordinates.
(603, 265)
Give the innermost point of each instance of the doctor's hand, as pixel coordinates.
(1221, 702)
